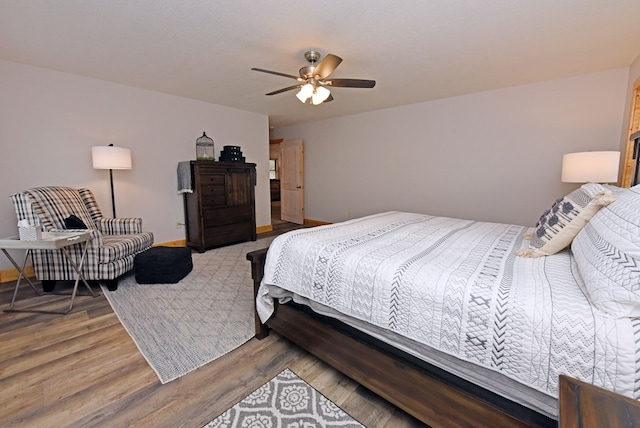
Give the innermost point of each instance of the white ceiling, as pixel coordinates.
(416, 50)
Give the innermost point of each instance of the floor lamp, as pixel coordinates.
(110, 157)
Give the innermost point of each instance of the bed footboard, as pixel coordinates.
(257, 259)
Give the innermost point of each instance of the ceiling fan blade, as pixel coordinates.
(288, 88)
(326, 66)
(329, 98)
(277, 73)
(351, 83)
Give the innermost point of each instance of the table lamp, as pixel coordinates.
(590, 167)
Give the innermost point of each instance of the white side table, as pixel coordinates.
(50, 241)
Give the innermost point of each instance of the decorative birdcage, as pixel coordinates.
(204, 148)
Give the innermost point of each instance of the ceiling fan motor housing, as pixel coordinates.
(307, 71)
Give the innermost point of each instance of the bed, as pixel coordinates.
(466, 323)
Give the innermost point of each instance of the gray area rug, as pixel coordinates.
(180, 327)
(284, 401)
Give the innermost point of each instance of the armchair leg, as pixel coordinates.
(48, 285)
(112, 284)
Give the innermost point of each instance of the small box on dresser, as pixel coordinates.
(221, 209)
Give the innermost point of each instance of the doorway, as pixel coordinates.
(276, 205)
(286, 174)
(274, 182)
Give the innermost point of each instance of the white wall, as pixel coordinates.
(49, 121)
(492, 156)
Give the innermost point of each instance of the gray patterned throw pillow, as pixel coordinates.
(561, 223)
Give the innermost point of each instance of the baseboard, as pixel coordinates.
(264, 229)
(178, 243)
(8, 275)
(312, 222)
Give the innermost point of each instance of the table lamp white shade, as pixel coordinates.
(590, 167)
(110, 157)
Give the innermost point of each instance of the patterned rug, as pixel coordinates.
(180, 327)
(284, 401)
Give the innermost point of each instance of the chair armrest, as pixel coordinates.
(96, 236)
(119, 226)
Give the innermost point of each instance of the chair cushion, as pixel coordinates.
(162, 265)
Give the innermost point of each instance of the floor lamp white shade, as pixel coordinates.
(590, 167)
(111, 157)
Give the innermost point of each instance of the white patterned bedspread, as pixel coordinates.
(457, 286)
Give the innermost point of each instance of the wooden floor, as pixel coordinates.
(83, 370)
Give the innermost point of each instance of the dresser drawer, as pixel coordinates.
(213, 199)
(229, 215)
(212, 189)
(212, 179)
(220, 235)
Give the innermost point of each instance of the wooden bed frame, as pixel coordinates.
(430, 394)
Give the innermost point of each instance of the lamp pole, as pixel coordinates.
(113, 198)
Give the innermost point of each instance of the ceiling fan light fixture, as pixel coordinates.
(305, 92)
(320, 95)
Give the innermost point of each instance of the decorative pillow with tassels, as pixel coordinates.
(561, 223)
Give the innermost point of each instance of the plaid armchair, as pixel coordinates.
(114, 243)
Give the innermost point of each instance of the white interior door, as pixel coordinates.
(292, 181)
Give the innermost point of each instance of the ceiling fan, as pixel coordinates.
(314, 81)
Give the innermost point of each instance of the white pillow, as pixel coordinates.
(561, 223)
(607, 252)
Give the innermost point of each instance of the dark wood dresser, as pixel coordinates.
(221, 209)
